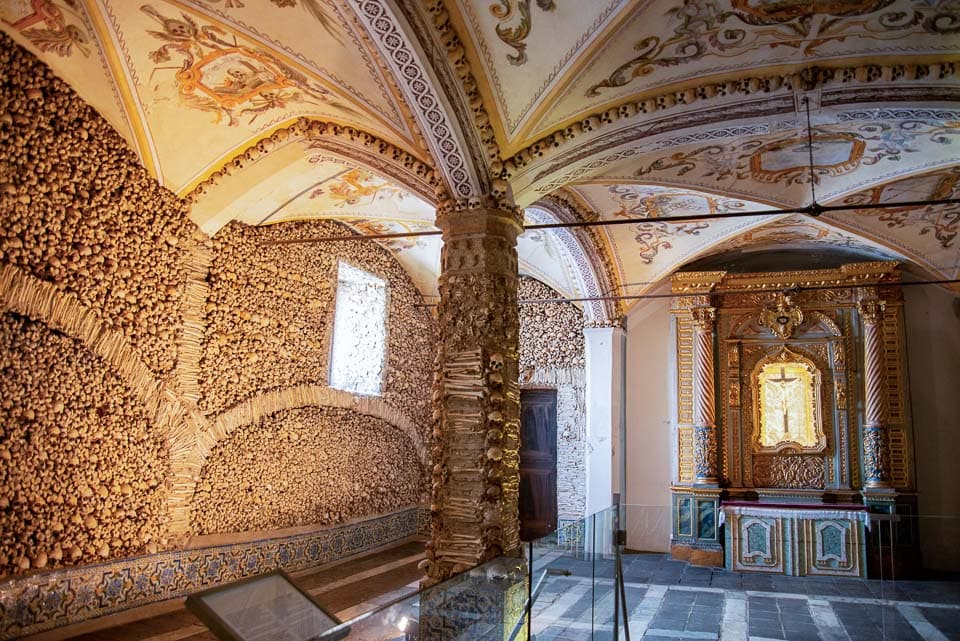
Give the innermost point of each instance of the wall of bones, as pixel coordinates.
(552, 356)
(153, 376)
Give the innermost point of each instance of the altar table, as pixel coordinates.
(796, 539)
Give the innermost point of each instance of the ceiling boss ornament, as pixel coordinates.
(781, 316)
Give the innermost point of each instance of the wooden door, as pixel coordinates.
(538, 463)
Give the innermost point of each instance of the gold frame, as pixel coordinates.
(782, 356)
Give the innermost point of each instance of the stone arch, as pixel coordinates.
(357, 145)
(252, 410)
(42, 301)
(594, 274)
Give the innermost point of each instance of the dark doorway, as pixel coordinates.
(538, 463)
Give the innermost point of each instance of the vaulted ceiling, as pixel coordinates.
(372, 112)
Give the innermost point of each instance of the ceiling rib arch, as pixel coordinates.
(314, 137)
(598, 264)
(430, 107)
(584, 269)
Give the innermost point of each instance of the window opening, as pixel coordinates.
(359, 331)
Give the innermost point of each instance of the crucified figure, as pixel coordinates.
(782, 383)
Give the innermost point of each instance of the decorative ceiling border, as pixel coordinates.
(597, 312)
(594, 244)
(634, 135)
(617, 139)
(418, 89)
(437, 55)
(801, 80)
(367, 149)
(457, 59)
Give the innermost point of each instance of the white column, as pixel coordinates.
(604, 374)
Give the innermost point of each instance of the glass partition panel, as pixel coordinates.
(914, 584)
(485, 603)
(562, 580)
(604, 558)
(781, 571)
(773, 571)
(560, 587)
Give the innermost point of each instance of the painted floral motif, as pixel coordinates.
(798, 231)
(356, 187)
(636, 201)
(396, 245)
(655, 236)
(705, 28)
(942, 221)
(220, 76)
(44, 23)
(786, 160)
(514, 36)
(652, 202)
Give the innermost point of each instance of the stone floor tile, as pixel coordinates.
(704, 626)
(947, 621)
(767, 632)
(710, 598)
(765, 605)
(758, 583)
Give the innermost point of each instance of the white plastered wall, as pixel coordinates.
(650, 423)
(932, 318)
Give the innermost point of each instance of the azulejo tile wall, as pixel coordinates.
(423, 521)
(52, 599)
(571, 532)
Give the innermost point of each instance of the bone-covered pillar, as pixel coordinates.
(476, 480)
(876, 447)
(704, 398)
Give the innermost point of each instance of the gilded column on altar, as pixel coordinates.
(476, 480)
(705, 425)
(876, 448)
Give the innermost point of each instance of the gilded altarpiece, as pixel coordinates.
(808, 408)
(775, 463)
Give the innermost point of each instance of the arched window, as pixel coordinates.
(359, 331)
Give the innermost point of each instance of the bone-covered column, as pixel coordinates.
(705, 427)
(476, 480)
(876, 448)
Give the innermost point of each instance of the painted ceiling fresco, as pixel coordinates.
(328, 187)
(670, 43)
(554, 61)
(802, 232)
(649, 250)
(211, 76)
(626, 108)
(526, 48)
(770, 159)
(926, 235)
(65, 37)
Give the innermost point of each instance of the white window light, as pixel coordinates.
(359, 332)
